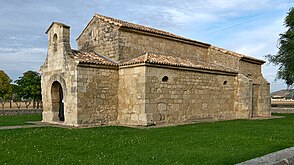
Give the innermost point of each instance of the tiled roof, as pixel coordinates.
(58, 23)
(129, 25)
(175, 61)
(92, 58)
(151, 58)
(236, 54)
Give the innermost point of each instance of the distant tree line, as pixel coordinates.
(26, 89)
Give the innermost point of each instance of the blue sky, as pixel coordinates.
(250, 27)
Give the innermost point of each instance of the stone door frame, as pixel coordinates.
(57, 94)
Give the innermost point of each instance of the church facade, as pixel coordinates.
(129, 74)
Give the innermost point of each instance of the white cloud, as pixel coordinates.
(181, 17)
(15, 61)
(252, 48)
(232, 24)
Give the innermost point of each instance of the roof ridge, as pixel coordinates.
(92, 57)
(126, 24)
(58, 23)
(144, 28)
(110, 19)
(129, 25)
(230, 52)
(157, 58)
(146, 56)
(106, 58)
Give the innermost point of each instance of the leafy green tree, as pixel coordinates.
(30, 87)
(5, 88)
(285, 56)
(16, 96)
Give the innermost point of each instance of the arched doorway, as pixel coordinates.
(57, 101)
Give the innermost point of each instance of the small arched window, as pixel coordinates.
(55, 42)
(165, 79)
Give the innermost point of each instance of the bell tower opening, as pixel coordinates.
(55, 42)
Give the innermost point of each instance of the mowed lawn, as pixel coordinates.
(18, 119)
(225, 142)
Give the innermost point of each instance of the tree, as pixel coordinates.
(285, 56)
(5, 88)
(16, 96)
(30, 87)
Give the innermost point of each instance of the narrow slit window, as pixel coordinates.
(55, 42)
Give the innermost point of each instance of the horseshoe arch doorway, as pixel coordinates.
(57, 101)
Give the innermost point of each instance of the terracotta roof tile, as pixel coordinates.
(129, 25)
(151, 58)
(175, 61)
(236, 54)
(92, 58)
(156, 31)
(144, 28)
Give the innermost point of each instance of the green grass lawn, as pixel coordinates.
(225, 142)
(18, 119)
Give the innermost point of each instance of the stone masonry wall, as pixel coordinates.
(260, 88)
(101, 37)
(12, 112)
(59, 67)
(188, 95)
(220, 58)
(132, 96)
(134, 44)
(252, 71)
(243, 101)
(67, 79)
(58, 43)
(264, 99)
(97, 95)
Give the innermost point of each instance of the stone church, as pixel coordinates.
(129, 74)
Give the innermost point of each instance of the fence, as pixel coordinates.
(11, 112)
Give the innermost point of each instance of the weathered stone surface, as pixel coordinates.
(97, 102)
(282, 157)
(12, 112)
(142, 92)
(282, 110)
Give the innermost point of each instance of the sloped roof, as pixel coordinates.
(153, 58)
(58, 23)
(129, 25)
(242, 56)
(91, 58)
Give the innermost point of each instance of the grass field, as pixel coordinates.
(225, 142)
(18, 119)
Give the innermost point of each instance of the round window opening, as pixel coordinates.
(165, 79)
(225, 82)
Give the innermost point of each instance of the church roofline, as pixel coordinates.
(132, 26)
(58, 23)
(92, 58)
(241, 56)
(151, 59)
(128, 25)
